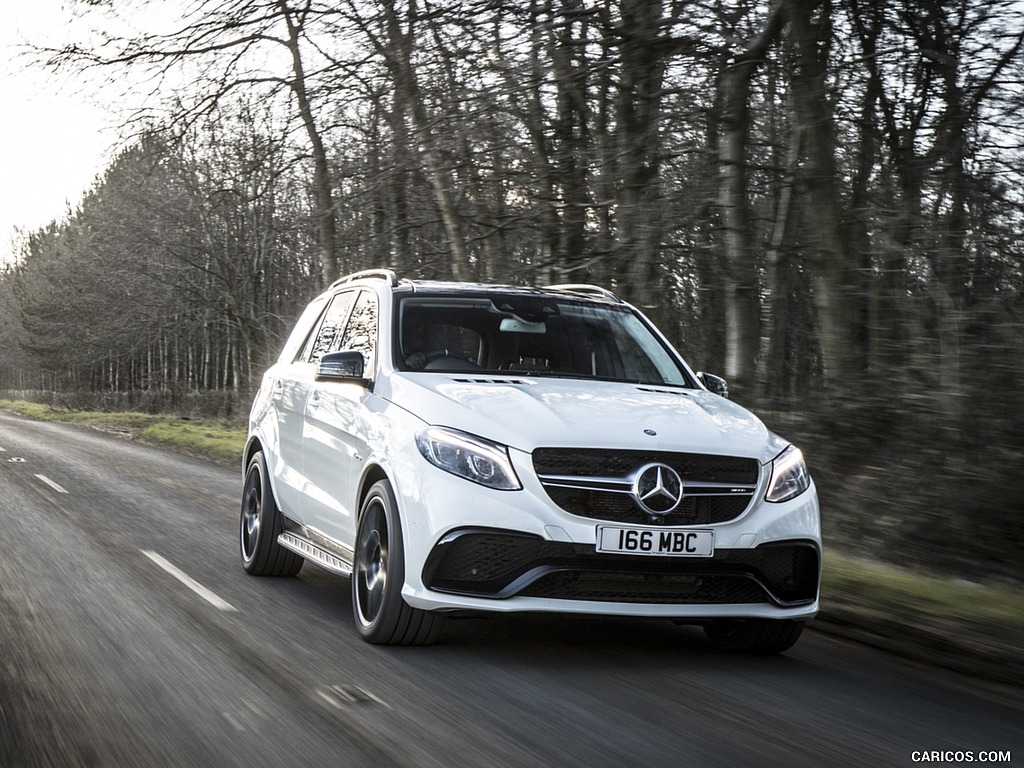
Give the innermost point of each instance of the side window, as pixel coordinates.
(328, 334)
(361, 331)
(302, 331)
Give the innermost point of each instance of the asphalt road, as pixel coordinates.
(130, 636)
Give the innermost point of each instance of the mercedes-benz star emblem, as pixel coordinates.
(658, 489)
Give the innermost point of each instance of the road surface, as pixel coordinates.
(130, 636)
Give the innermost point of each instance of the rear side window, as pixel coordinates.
(328, 334)
(301, 333)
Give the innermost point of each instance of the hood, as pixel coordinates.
(532, 412)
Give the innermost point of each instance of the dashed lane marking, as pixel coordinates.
(52, 484)
(340, 696)
(209, 596)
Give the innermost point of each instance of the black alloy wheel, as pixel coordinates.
(260, 525)
(382, 616)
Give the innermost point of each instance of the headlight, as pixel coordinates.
(789, 476)
(473, 458)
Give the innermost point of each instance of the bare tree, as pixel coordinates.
(220, 50)
(394, 37)
(934, 75)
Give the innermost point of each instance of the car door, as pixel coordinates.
(283, 398)
(290, 392)
(337, 430)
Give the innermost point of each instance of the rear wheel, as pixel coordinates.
(260, 525)
(754, 635)
(382, 616)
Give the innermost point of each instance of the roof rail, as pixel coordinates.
(588, 290)
(382, 274)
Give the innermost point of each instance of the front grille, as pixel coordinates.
(621, 508)
(597, 484)
(501, 564)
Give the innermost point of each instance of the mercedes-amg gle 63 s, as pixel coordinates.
(454, 447)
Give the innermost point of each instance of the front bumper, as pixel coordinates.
(502, 564)
(470, 548)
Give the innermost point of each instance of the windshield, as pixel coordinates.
(534, 336)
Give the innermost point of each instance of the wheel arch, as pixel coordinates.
(390, 619)
(374, 472)
(371, 474)
(253, 446)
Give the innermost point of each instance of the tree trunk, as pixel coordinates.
(776, 321)
(834, 276)
(639, 211)
(742, 318)
(322, 186)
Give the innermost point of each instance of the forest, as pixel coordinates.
(821, 200)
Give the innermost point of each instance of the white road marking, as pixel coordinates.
(349, 694)
(329, 699)
(52, 484)
(207, 595)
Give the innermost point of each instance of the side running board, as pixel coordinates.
(316, 553)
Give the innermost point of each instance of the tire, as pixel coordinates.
(260, 524)
(381, 615)
(754, 636)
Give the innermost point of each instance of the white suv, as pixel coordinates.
(456, 447)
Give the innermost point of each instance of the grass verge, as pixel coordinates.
(219, 441)
(905, 592)
(974, 629)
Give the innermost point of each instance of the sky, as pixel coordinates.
(55, 137)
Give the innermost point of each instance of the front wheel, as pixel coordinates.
(261, 523)
(382, 616)
(754, 635)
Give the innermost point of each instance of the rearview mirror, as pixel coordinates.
(714, 384)
(518, 325)
(347, 365)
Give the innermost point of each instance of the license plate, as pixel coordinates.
(674, 542)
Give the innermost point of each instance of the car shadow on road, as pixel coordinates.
(531, 639)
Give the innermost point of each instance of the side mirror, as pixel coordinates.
(714, 384)
(347, 365)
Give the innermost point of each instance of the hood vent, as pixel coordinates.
(676, 392)
(480, 380)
